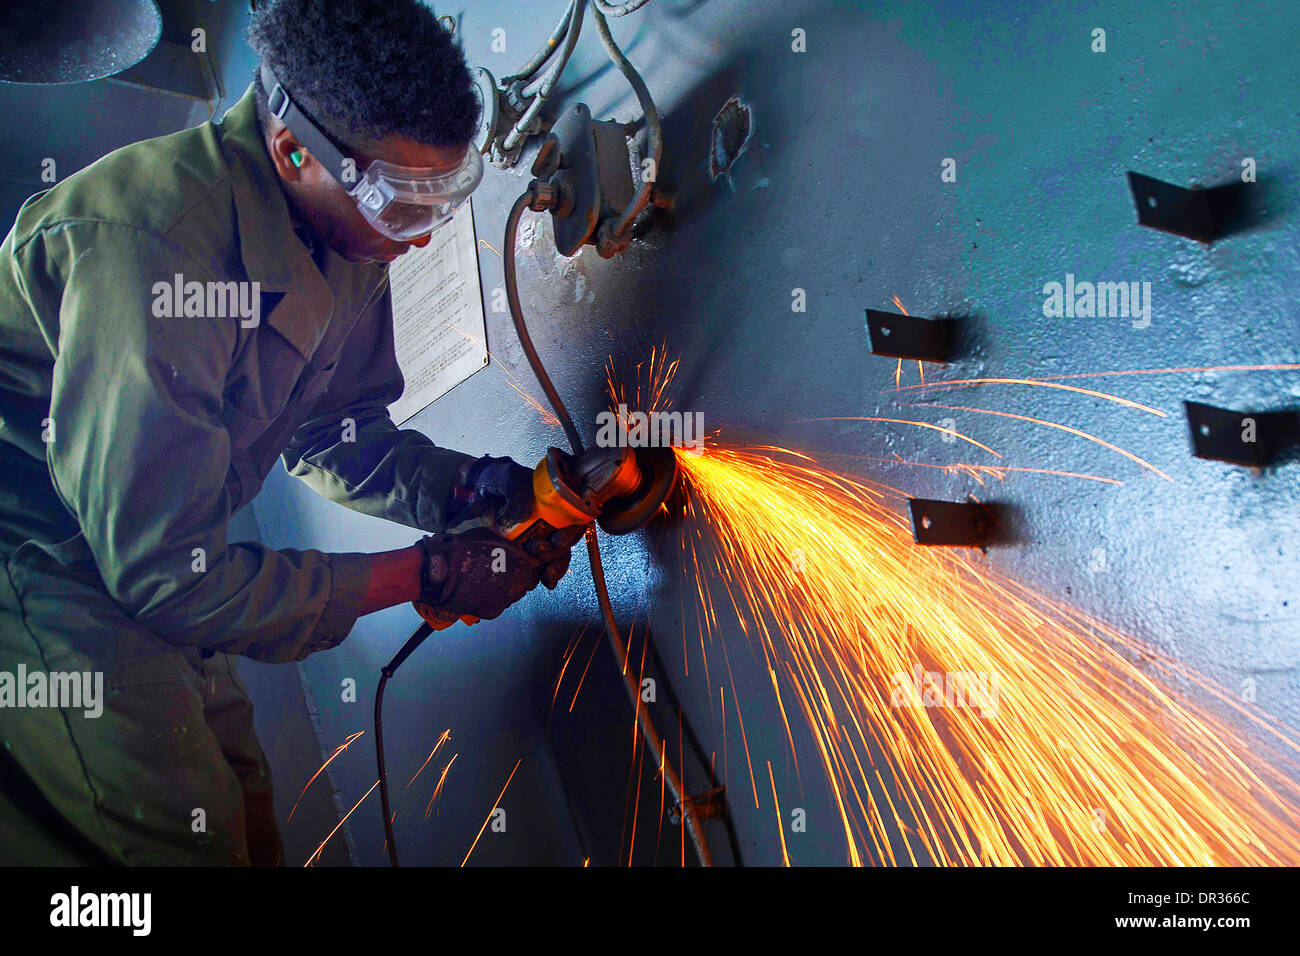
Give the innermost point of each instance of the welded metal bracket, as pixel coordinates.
(1253, 439)
(1200, 214)
(708, 805)
(910, 336)
(953, 524)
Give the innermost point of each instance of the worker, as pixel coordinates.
(173, 318)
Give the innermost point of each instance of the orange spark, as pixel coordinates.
(564, 666)
(1038, 383)
(337, 750)
(1049, 737)
(492, 811)
(920, 366)
(1117, 372)
(977, 471)
(780, 823)
(659, 375)
(898, 369)
(1065, 428)
(547, 416)
(636, 806)
(591, 657)
(744, 737)
(663, 780)
(437, 790)
(315, 856)
(904, 421)
(441, 740)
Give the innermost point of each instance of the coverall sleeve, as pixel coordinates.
(140, 456)
(350, 451)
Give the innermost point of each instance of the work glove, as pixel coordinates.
(500, 487)
(554, 551)
(473, 576)
(503, 489)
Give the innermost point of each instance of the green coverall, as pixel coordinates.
(127, 441)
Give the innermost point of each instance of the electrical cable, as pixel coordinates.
(543, 54)
(547, 83)
(521, 330)
(571, 34)
(618, 9)
(690, 819)
(654, 129)
(415, 640)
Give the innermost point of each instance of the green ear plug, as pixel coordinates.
(296, 157)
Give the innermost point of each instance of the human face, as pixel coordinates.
(332, 213)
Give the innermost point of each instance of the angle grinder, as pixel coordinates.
(620, 489)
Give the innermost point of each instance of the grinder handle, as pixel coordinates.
(441, 620)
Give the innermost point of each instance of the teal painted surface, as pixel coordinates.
(839, 193)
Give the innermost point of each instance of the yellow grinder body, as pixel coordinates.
(621, 488)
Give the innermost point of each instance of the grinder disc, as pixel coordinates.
(658, 468)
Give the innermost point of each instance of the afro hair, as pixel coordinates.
(368, 69)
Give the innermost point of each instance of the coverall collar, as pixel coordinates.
(270, 250)
(273, 252)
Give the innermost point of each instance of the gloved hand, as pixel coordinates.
(473, 576)
(498, 486)
(554, 551)
(503, 488)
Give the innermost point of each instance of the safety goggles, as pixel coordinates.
(400, 202)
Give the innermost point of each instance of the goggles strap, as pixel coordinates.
(306, 131)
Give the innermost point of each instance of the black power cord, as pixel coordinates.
(421, 633)
(690, 819)
(535, 198)
(415, 640)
